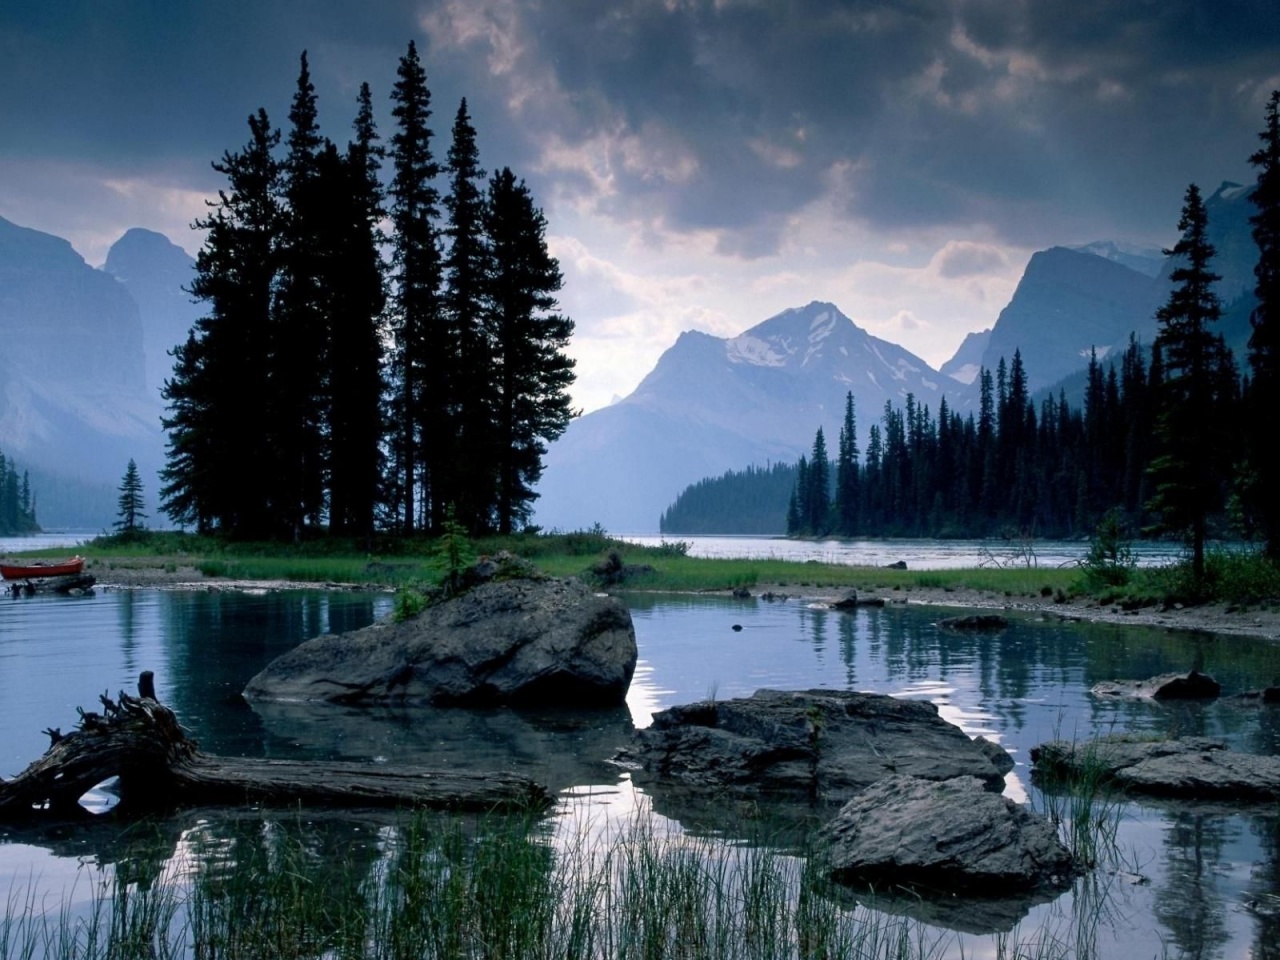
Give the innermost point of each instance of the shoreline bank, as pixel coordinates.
(1224, 619)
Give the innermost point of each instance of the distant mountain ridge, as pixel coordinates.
(75, 402)
(157, 273)
(966, 363)
(1071, 301)
(714, 404)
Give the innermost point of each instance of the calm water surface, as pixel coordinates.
(1186, 881)
(918, 554)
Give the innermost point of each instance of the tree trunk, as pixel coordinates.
(140, 741)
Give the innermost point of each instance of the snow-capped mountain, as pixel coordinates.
(713, 404)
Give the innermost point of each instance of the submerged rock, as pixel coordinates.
(1194, 768)
(975, 621)
(1168, 686)
(522, 642)
(822, 744)
(951, 836)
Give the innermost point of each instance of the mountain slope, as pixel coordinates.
(73, 397)
(714, 404)
(966, 362)
(1066, 304)
(156, 272)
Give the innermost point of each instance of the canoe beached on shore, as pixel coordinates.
(41, 568)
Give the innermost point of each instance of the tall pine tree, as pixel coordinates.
(532, 373)
(355, 303)
(294, 414)
(222, 372)
(1190, 466)
(418, 353)
(848, 495)
(1264, 344)
(471, 484)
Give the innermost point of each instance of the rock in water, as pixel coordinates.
(816, 743)
(1193, 768)
(523, 642)
(1168, 686)
(952, 834)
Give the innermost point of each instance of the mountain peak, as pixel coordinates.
(1229, 190)
(795, 337)
(29, 248)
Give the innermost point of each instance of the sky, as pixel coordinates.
(702, 164)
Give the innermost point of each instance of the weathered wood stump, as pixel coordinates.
(139, 741)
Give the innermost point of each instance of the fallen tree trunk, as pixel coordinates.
(140, 741)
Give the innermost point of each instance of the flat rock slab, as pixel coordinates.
(1167, 686)
(950, 836)
(822, 744)
(521, 642)
(1192, 768)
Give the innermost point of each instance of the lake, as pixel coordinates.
(1182, 880)
(917, 554)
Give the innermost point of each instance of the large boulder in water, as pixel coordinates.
(1167, 686)
(953, 835)
(817, 743)
(522, 642)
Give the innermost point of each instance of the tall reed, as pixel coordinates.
(446, 887)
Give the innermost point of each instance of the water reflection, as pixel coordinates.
(1214, 881)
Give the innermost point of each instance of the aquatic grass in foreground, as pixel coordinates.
(447, 887)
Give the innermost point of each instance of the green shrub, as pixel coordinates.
(1110, 561)
(409, 603)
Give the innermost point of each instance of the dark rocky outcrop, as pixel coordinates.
(851, 601)
(1168, 686)
(952, 833)
(1194, 768)
(522, 642)
(820, 744)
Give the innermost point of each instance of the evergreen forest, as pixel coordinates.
(1175, 440)
(17, 502)
(381, 347)
(750, 501)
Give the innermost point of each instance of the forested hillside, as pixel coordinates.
(17, 502)
(750, 501)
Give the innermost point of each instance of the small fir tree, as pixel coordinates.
(130, 503)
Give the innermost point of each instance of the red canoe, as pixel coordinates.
(41, 568)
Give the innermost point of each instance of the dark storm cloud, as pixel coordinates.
(136, 85)
(1021, 115)
(1037, 119)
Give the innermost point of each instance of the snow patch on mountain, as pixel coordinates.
(758, 353)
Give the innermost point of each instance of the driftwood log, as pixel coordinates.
(71, 583)
(139, 741)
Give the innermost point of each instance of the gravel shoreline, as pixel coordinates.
(131, 574)
(1211, 618)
